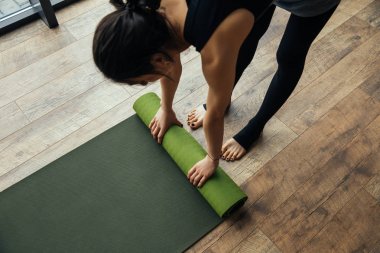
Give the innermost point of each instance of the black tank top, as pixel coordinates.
(204, 16)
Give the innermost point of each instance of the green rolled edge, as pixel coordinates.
(220, 191)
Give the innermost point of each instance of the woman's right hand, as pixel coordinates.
(161, 123)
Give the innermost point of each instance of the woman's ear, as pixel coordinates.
(161, 62)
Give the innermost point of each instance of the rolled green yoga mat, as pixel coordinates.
(220, 191)
(119, 192)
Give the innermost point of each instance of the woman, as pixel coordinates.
(141, 42)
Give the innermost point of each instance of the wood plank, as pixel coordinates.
(24, 33)
(352, 7)
(76, 9)
(376, 248)
(59, 91)
(44, 70)
(336, 20)
(11, 119)
(275, 138)
(336, 234)
(32, 50)
(359, 110)
(373, 187)
(188, 55)
(358, 224)
(314, 204)
(303, 109)
(371, 14)
(75, 136)
(332, 48)
(54, 126)
(85, 24)
(371, 86)
(257, 242)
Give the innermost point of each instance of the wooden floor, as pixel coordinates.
(313, 180)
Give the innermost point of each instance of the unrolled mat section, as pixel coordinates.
(119, 192)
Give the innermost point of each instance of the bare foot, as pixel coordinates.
(231, 150)
(195, 117)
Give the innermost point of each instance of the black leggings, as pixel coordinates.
(300, 32)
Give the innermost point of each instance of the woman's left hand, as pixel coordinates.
(202, 171)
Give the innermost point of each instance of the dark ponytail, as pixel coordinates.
(126, 39)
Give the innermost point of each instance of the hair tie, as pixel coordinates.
(133, 6)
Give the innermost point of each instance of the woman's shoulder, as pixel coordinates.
(228, 36)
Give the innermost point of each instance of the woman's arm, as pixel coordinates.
(169, 86)
(219, 57)
(165, 117)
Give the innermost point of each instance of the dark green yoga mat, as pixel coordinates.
(119, 192)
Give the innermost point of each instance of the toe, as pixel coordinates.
(191, 114)
(233, 157)
(193, 119)
(226, 154)
(196, 124)
(240, 154)
(230, 155)
(224, 147)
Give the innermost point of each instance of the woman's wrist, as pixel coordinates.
(214, 160)
(166, 108)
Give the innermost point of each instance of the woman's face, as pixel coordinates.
(144, 79)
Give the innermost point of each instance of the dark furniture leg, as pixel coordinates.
(46, 12)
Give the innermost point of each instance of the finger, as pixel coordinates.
(153, 127)
(152, 122)
(156, 131)
(197, 179)
(191, 172)
(202, 181)
(193, 176)
(160, 136)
